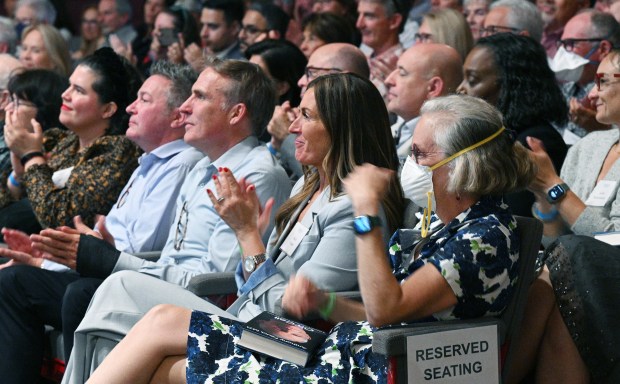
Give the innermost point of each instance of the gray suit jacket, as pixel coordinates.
(326, 256)
(581, 170)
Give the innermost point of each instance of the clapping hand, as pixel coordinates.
(61, 245)
(20, 249)
(238, 205)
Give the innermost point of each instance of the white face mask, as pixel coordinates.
(417, 181)
(568, 66)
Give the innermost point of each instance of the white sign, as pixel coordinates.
(463, 356)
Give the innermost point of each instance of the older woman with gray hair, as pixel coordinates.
(457, 143)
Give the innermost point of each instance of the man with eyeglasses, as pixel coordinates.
(262, 21)
(555, 14)
(379, 23)
(329, 58)
(423, 72)
(50, 293)
(513, 16)
(219, 34)
(587, 38)
(230, 104)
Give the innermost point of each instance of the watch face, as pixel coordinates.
(556, 192)
(249, 264)
(362, 224)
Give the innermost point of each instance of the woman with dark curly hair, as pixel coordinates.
(499, 70)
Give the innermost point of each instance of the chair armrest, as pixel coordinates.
(392, 341)
(150, 256)
(217, 283)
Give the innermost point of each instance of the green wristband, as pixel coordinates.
(327, 310)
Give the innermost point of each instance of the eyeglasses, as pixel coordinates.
(17, 102)
(252, 29)
(418, 154)
(181, 231)
(495, 29)
(314, 72)
(602, 82)
(123, 198)
(422, 37)
(569, 44)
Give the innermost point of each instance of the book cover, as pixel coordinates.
(281, 338)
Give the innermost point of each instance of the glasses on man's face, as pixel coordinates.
(181, 231)
(17, 102)
(495, 29)
(423, 37)
(603, 80)
(123, 198)
(314, 72)
(252, 29)
(569, 44)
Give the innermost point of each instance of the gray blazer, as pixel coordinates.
(326, 256)
(581, 170)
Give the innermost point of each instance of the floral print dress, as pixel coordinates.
(477, 253)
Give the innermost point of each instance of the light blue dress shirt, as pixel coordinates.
(141, 217)
(199, 241)
(144, 211)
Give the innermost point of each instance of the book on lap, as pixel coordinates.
(281, 338)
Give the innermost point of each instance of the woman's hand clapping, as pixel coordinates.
(238, 205)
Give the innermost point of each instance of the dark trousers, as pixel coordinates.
(74, 306)
(29, 299)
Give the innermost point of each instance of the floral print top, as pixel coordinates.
(477, 253)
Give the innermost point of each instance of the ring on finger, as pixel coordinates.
(220, 199)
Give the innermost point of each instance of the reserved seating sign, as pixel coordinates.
(468, 355)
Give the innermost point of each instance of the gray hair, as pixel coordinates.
(7, 34)
(181, 77)
(494, 168)
(603, 24)
(523, 15)
(44, 10)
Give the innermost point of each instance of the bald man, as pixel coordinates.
(8, 64)
(423, 72)
(330, 58)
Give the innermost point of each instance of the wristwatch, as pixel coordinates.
(250, 263)
(557, 193)
(366, 223)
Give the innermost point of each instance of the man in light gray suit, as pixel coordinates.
(423, 72)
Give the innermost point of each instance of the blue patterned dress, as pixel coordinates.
(477, 253)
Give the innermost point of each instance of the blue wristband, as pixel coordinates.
(545, 217)
(13, 180)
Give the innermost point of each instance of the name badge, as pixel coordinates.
(294, 238)
(603, 193)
